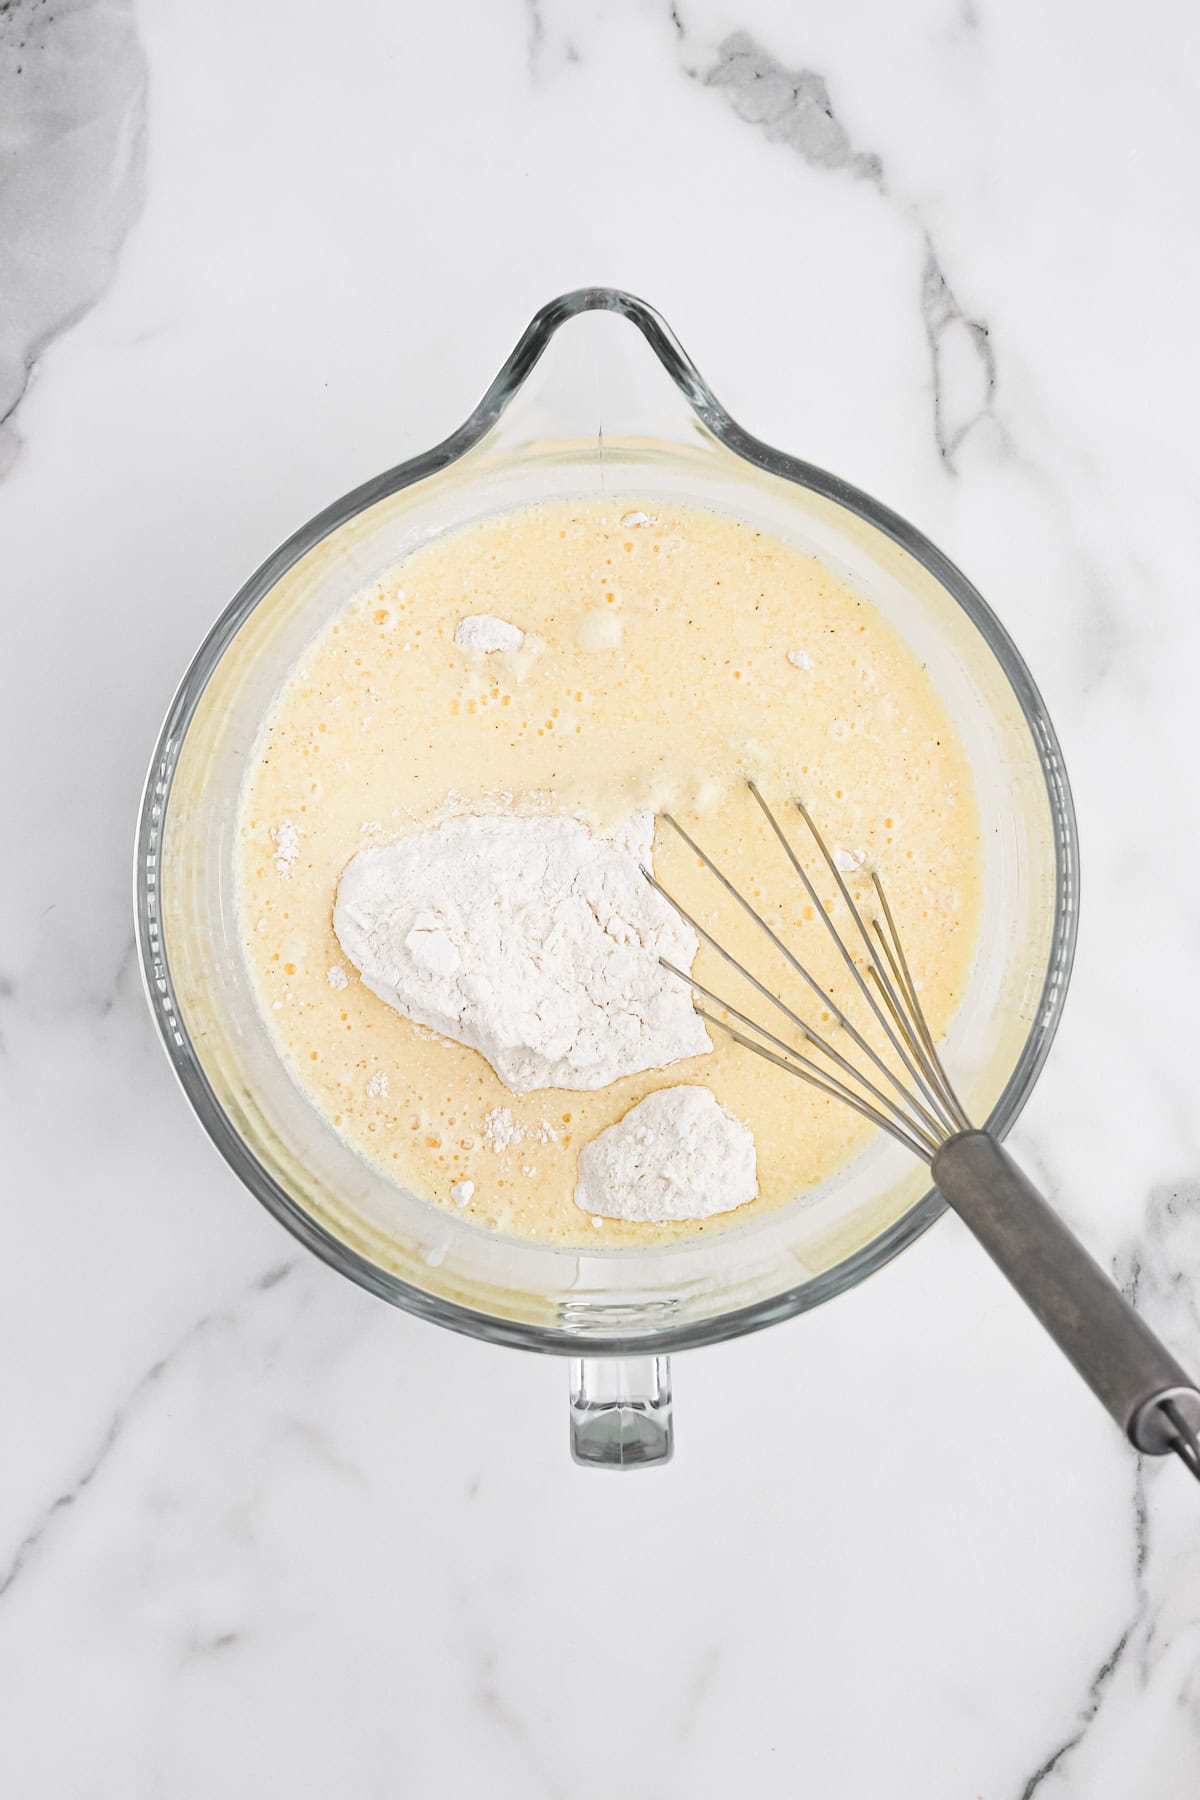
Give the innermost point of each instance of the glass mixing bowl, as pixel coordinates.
(595, 412)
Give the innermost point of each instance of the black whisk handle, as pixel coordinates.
(1152, 1399)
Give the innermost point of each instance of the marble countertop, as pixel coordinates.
(259, 1534)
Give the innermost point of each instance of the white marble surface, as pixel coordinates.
(258, 1533)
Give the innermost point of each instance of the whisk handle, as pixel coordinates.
(1117, 1354)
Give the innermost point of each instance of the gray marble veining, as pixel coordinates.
(790, 106)
(72, 125)
(793, 107)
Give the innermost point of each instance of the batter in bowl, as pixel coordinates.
(598, 661)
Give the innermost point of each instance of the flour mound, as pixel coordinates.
(530, 940)
(676, 1155)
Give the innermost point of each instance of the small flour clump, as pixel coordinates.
(287, 847)
(500, 1129)
(461, 1192)
(800, 659)
(337, 976)
(484, 632)
(676, 1155)
(378, 1085)
(531, 940)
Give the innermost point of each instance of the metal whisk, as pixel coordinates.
(905, 1091)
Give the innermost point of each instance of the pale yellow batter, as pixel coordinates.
(655, 673)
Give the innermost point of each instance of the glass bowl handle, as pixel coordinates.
(621, 1411)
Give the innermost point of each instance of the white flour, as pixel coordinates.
(800, 659)
(675, 1155)
(529, 939)
(484, 632)
(500, 1129)
(287, 847)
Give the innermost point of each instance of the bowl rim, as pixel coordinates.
(156, 976)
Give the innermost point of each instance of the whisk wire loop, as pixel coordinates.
(922, 1111)
(931, 1121)
(798, 1063)
(815, 898)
